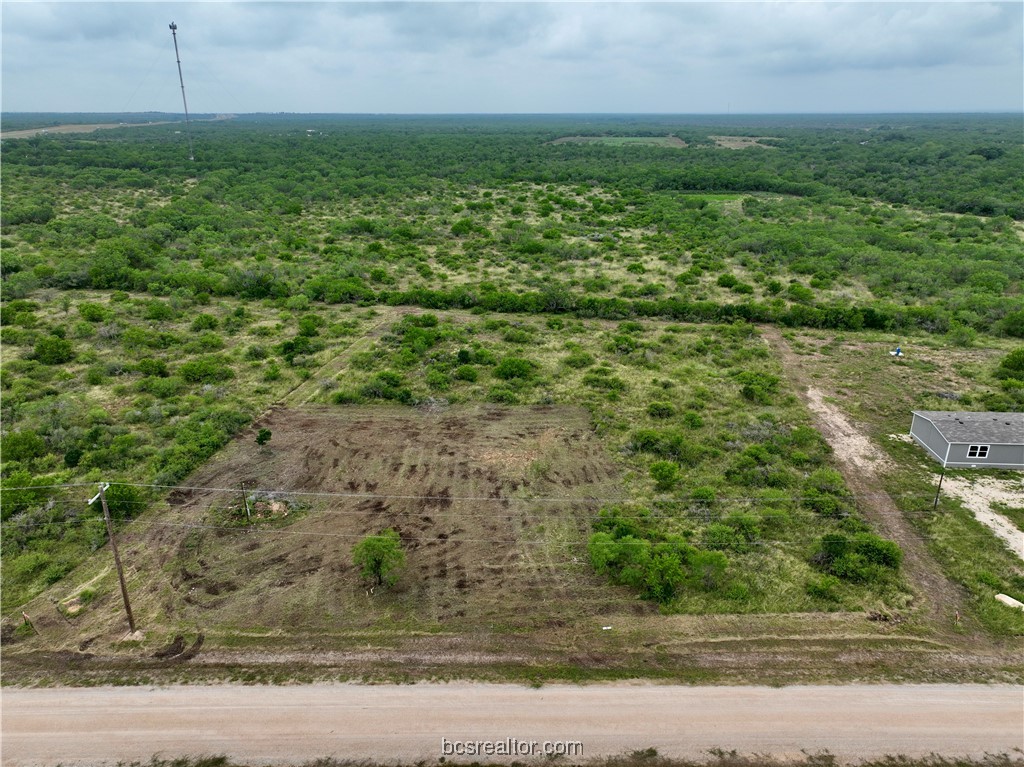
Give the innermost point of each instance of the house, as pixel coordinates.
(971, 440)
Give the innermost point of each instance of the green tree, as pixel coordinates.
(263, 437)
(379, 557)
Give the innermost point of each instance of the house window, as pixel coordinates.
(977, 451)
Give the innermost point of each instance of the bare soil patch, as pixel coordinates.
(978, 495)
(742, 142)
(93, 127)
(90, 128)
(669, 141)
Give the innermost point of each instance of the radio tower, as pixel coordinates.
(188, 129)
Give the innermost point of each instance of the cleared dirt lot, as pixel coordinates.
(493, 506)
(405, 724)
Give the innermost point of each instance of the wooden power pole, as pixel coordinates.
(117, 557)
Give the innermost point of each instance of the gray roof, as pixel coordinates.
(977, 428)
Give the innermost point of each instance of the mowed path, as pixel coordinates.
(406, 723)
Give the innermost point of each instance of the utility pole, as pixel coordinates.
(245, 502)
(117, 557)
(188, 129)
(939, 488)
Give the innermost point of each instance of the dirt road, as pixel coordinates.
(386, 723)
(862, 464)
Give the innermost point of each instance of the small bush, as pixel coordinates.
(579, 360)
(206, 370)
(823, 588)
(692, 420)
(93, 312)
(152, 367)
(514, 367)
(466, 373)
(661, 410)
(53, 350)
(204, 322)
(665, 475)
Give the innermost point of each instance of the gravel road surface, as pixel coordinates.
(403, 724)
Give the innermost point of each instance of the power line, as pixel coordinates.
(137, 525)
(481, 498)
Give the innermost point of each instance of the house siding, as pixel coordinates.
(925, 434)
(999, 457)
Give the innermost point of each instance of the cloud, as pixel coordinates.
(498, 56)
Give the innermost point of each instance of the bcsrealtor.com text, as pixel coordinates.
(511, 747)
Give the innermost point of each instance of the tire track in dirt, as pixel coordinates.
(861, 464)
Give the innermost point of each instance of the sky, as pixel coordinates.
(510, 57)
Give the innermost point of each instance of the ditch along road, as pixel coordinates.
(404, 724)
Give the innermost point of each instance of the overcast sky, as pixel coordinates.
(430, 57)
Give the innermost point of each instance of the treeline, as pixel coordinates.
(928, 318)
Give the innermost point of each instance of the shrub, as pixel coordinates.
(721, 537)
(579, 360)
(514, 367)
(823, 588)
(878, 550)
(705, 496)
(53, 350)
(204, 322)
(707, 569)
(692, 420)
(123, 501)
(206, 370)
(661, 410)
(863, 558)
(387, 385)
(757, 387)
(93, 312)
(1012, 365)
(665, 475)
(152, 367)
(502, 395)
(602, 378)
(437, 380)
(1013, 324)
(517, 336)
(22, 446)
(466, 373)
(745, 524)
